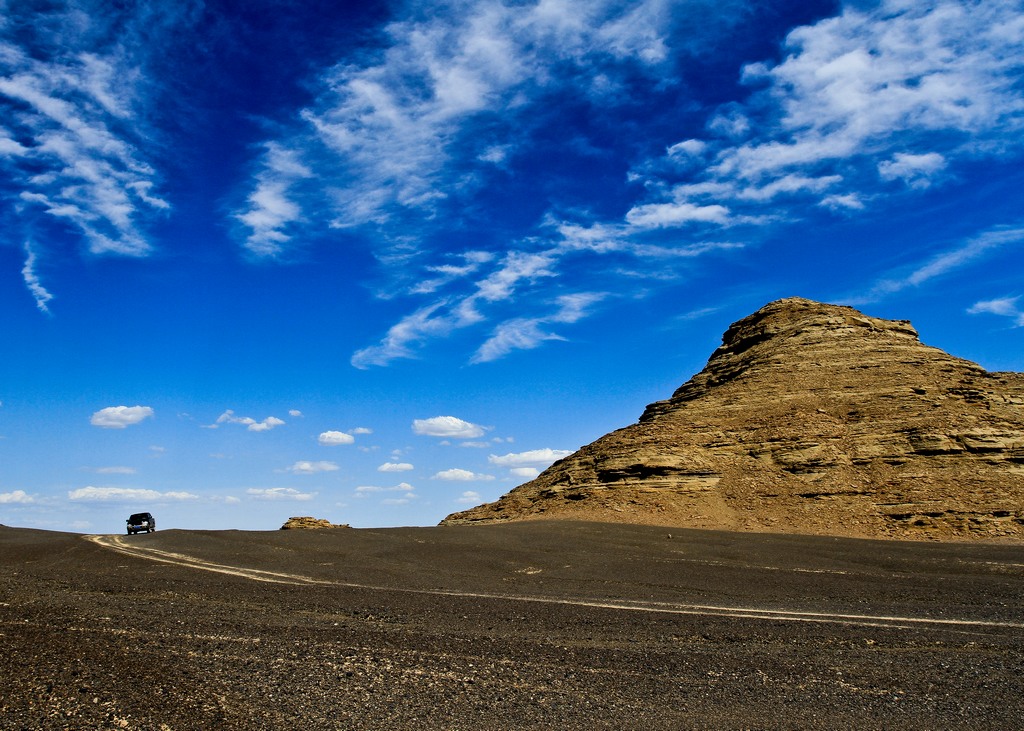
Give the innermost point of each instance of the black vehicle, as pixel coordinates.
(141, 523)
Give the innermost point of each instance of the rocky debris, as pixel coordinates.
(308, 522)
(810, 418)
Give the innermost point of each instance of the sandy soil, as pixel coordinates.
(526, 625)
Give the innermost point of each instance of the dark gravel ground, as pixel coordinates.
(497, 627)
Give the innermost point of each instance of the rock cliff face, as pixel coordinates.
(810, 418)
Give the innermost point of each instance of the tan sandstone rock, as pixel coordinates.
(308, 522)
(810, 418)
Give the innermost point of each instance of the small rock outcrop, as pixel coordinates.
(810, 418)
(307, 522)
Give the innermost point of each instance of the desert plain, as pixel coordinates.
(526, 625)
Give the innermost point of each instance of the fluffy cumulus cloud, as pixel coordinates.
(119, 417)
(469, 497)
(531, 458)
(447, 427)
(335, 438)
(279, 493)
(305, 467)
(16, 497)
(126, 494)
(395, 467)
(460, 475)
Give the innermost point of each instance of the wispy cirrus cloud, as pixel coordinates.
(418, 133)
(279, 493)
(445, 104)
(1002, 306)
(945, 262)
(72, 136)
(35, 286)
(897, 92)
(879, 100)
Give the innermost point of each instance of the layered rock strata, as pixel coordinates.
(810, 418)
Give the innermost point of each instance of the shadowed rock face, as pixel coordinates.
(810, 418)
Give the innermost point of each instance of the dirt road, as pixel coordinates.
(531, 625)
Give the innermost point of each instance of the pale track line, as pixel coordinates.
(117, 543)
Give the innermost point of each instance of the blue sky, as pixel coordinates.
(380, 262)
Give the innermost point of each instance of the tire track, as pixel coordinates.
(118, 544)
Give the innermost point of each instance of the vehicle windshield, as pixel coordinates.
(138, 517)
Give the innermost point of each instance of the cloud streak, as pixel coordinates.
(72, 135)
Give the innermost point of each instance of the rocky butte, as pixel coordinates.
(810, 418)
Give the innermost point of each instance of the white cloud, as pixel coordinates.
(671, 215)
(17, 497)
(126, 494)
(915, 170)
(460, 475)
(388, 131)
(469, 497)
(228, 417)
(279, 493)
(271, 209)
(403, 487)
(362, 430)
(76, 93)
(1004, 306)
(448, 427)
(896, 91)
(526, 333)
(295, 413)
(116, 470)
(266, 425)
(395, 467)
(304, 467)
(540, 457)
(946, 262)
(119, 417)
(527, 472)
(441, 318)
(335, 438)
(35, 287)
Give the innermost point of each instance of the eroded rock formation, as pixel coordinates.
(308, 522)
(810, 418)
